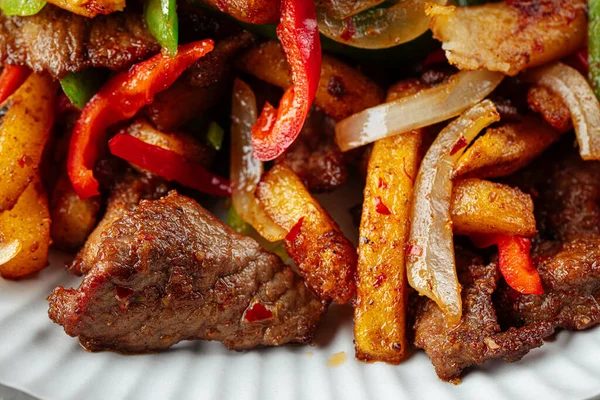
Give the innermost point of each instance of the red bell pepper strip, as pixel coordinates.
(168, 164)
(120, 98)
(12, 77)
(275, 130)
(515, 262)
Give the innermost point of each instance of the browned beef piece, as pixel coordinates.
(169, 271)
(124, 197)
(59, 42)
(315, 157)
(568, 249)
(478, 337)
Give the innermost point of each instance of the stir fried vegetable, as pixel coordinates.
(425, 108)
(11, 79)
(27, 120)
(379, 27)
(121, 98)
(593, 59)
(90, 8)
(431, 266)
(275, 129)
(246, 170)
(81, 86)
(21, 7)
(162, 22)
(577, 94)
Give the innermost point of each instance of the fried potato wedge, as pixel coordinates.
(73, 219)
(25, 230)
(483, 207)
(250, 11)
(180, 103)
(342, 91)
(25, 127)
(509, 36)
(325, 257)
(90, 8)
(551, 107)
(381, 286)
(506, 149)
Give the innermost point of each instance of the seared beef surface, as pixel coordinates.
(169, 271)
(567, 200)
(59, 42)
(124, 197)
(477, 338)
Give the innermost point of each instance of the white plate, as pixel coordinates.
(37, 357)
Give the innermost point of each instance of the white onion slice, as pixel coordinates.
(574, 89)
(425, 108)
(431, 268)
(246, 170)
(9, 250)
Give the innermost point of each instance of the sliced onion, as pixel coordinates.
(574, 89)
(378, 28)
(340, 9)
(431, 268)
(245, 169)
(9, 250)
(425, 108)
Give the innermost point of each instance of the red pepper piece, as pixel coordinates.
(515, 262)
(257, 312)
(459, 145)
(293, 233)
(380, 206)
(12, 77)
(119, 99)
(168, 164)
(299, 35)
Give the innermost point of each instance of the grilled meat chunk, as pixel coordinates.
(315, 157)
(169, 271)
(568, 246)
(478, 337)
(60, 42)
(125, 196)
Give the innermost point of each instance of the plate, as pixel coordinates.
(37, 357)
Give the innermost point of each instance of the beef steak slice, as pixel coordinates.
(169, 271)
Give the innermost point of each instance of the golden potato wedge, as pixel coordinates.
(551, 107)
(381, 285)
(509, 36)
(483, 207)
(506, 149)
(25, 127)
(326, 259)
(73, 219)
(250, 11)
(90, 8)
(179, 103)
(26, 227)
(342, 90)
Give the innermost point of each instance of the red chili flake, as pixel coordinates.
(349, 30)
(257, 312)
(379, 280)
(414, 250)
(380, 207)
(293, 233)
(24, 160)
(123, 292)
(382, 184)
(460, 144)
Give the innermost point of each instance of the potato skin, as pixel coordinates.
(24, 131)
(342, 91)
(325, 257)
(510, 36)
(29, 223)
(381, 287)
(483, 207)
(73, 219)
(505, 149)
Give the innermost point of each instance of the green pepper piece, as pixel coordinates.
(594, 45)
(161, 18)
(215, 135)
(81, 86)
(236, 222)
(22, 7)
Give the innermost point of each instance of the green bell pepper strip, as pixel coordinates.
(215, 135)
(81, 86)
(161, 18)
(594, 45)
(21, 7)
